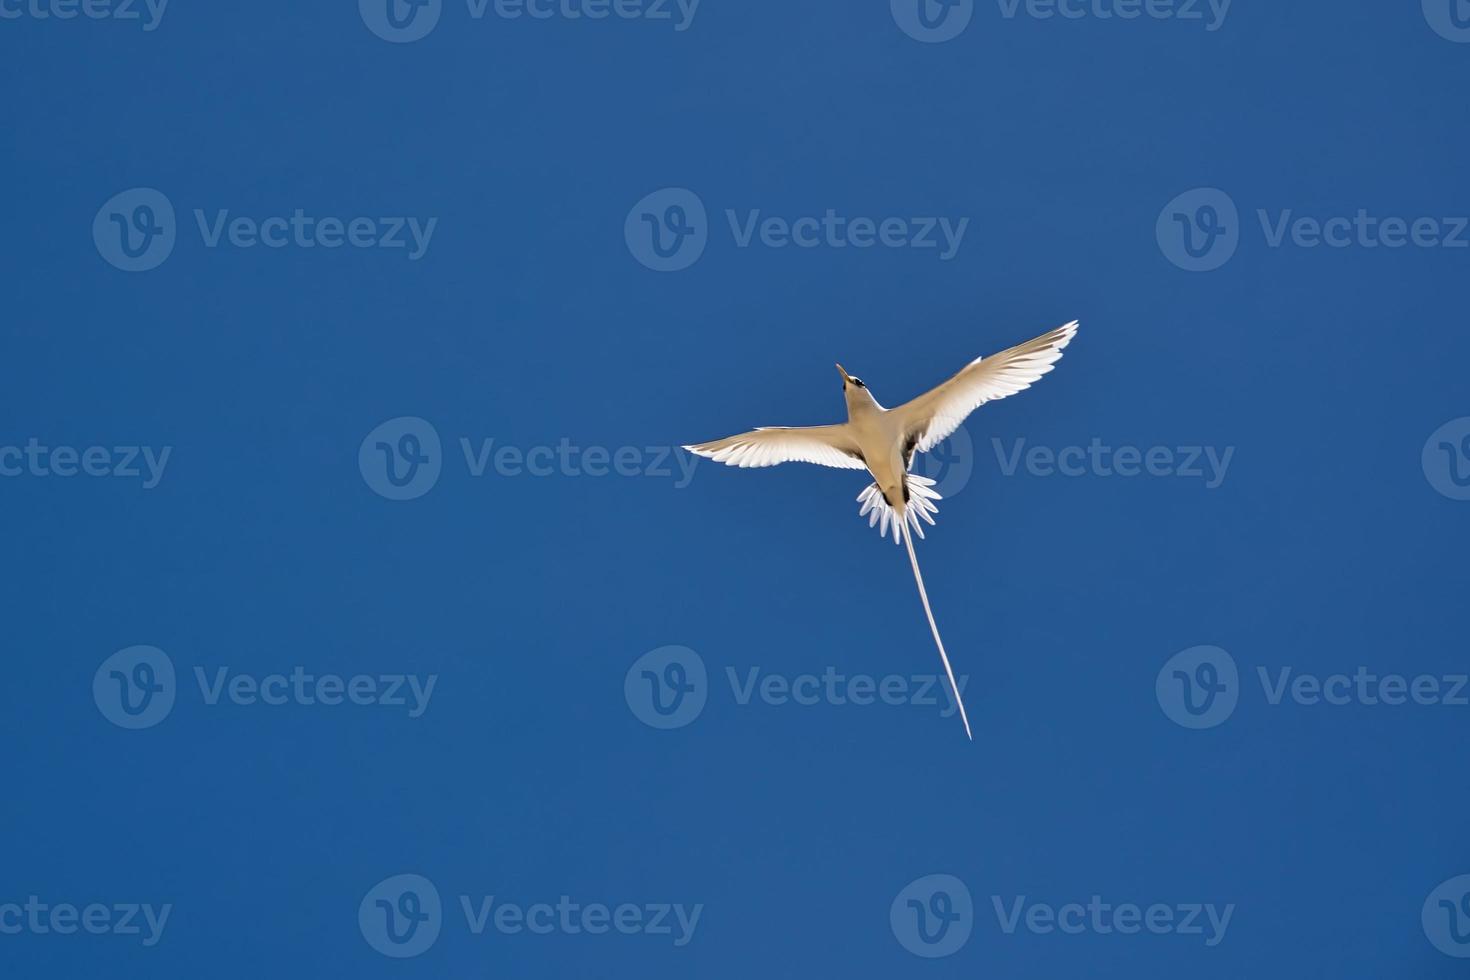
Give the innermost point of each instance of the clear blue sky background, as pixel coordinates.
(529, 321)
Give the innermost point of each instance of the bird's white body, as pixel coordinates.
(884, 441)
(879, 435)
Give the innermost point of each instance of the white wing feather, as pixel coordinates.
(934, 415)
(825, 445)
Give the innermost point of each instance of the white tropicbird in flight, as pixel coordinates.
(884, 440)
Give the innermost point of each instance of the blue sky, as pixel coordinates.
(365, 616)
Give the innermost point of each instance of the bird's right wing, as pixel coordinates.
(929, 419)
(825, 445)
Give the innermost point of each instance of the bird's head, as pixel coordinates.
(853, 389)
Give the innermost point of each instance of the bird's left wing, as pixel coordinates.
(929, 419)
(826, 445)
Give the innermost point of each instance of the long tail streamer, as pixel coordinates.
(921, 504)
(908, 539)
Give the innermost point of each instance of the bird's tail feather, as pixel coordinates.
(905, 522)
(908, 540)
(921, 504)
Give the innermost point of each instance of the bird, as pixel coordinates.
(884, 441)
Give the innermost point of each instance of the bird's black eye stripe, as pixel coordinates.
(858, 382)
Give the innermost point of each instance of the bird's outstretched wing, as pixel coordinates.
(930, 418)
(826, 445)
